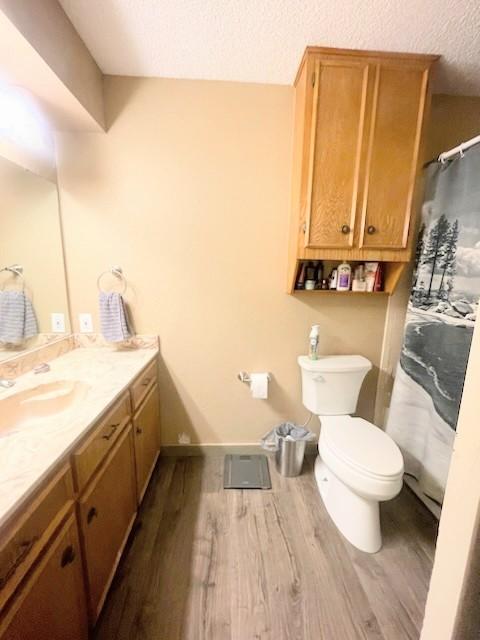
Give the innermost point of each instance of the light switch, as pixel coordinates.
(86, 323)
(58, 322)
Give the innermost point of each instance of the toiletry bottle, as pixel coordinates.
(378, 285)
(310, 276)
(313, 342)
(332, 281)
(300, 284)
(344, 277)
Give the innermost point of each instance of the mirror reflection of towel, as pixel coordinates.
(114, 323)
(17, 317)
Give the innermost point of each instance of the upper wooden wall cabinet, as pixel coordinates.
(359, 119)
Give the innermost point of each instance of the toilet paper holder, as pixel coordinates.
(243, 376)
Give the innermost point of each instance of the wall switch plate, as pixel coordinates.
(86, 323)
(58, 322)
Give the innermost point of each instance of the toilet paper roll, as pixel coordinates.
(259, 385)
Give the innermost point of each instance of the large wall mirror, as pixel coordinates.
(32, 274)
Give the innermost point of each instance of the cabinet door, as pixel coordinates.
(147, 435)
(393, 154)
(339, 103)
(51, 605)
(107, 511)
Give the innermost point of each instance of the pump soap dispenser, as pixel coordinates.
(313, 342)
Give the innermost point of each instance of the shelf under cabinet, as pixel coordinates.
(343, 293)
(392, 272)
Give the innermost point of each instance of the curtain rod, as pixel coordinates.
(463, 146)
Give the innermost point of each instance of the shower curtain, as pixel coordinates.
(440, 319)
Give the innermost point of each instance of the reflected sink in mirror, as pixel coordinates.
(26, 408)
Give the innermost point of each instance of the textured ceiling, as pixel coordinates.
(263, 40)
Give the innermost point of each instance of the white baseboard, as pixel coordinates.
(204, 450)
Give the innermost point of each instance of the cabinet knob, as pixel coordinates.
(68, 556)
(371, 229)
(92, 513)
(139, 430)
(345, 229)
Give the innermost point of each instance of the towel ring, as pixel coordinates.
(114, 271)
(16, 270)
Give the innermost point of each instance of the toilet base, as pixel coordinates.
(357, 518)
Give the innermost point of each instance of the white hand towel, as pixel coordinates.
(114, 323)
(17, 317)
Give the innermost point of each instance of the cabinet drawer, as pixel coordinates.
(51, 603)
(146, 425)
(143, 383)
(23, 541)
(89, 456)
(106, 514)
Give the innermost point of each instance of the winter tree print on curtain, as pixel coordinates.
(440, 319)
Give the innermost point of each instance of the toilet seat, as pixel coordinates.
(362, 456)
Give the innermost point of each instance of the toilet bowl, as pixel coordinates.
(358, 465)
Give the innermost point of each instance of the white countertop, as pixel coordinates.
(28, 455)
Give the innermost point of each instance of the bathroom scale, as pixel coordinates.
(246, 472)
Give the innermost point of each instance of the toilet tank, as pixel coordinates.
(331, 384)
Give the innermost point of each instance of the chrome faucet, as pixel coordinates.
(6, 384)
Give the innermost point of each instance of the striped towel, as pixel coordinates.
(17, 317)
(114, 323)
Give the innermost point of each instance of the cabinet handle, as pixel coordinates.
(345, 229)
(138, 430)
(145, 382)
(113, 428)
(92, 513)
(68, 556)
(25, 548)
(371, 229)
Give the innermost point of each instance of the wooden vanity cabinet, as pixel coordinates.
(146, 430)
(359, 119)
(25, 538)
(51, 604)
(58, 556)
(107, 510)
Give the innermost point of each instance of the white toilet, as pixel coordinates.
(358, 464)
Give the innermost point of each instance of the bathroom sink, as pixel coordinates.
(28, 407)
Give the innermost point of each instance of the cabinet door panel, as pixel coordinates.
(52, 605)
(396, 124)
(107, 511)
(147, 427)
(339, 103)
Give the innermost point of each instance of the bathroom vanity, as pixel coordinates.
(75, 467)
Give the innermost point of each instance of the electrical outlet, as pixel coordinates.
(58, 322)
(86, 323)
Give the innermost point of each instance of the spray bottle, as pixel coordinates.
(313, 342)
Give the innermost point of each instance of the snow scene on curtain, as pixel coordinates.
(439, 325)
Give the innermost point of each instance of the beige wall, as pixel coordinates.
(30, 236)
(189, 192)
(41, 51)
(453, 119)
(47, 28)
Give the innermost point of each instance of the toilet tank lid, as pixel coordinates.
(335, 364)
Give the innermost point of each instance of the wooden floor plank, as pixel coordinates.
(209, 564)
